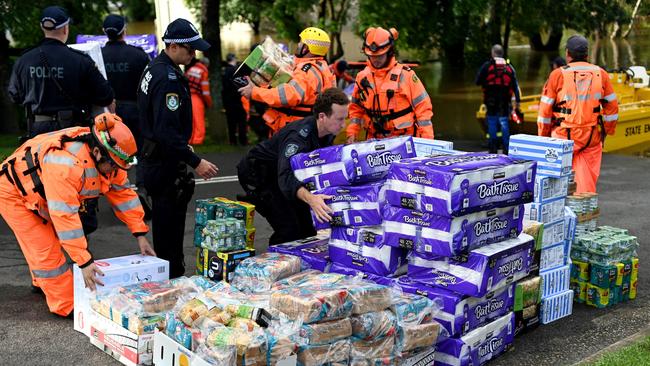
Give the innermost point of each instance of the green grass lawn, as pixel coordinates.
(637, 354)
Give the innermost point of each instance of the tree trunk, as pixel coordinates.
(255, 25)
(338, 46)
(210, 28)
(506, 32)
(7, 109)
(634, 12)
(494, 24)
(553, 43)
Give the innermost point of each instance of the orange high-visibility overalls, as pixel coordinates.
(390, 102)
(199, 81)
(576, 101)
(294, 100)
(42, 185)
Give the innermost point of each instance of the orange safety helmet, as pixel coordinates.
(114, 136)
(379, 40)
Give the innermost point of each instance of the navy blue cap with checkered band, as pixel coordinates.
(182, 31)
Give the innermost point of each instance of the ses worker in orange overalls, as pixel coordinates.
(198, 77)
(42, 185)
(388, 98)
(578, 103)
(311, 75)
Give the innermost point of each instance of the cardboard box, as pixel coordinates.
(126, 347)
(554, 157)
(555, 281)
(220, 266)
(167, 352)
(550, 188)
(118, 271)
(546, 212)
(554, 257)
(553, 234)
(250, 238)
(427, 147)
(557, 306)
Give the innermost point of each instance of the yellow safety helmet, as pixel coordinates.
(316, 40)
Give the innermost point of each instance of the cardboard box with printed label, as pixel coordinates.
(123, 345)
(220, 266)
(118, 271)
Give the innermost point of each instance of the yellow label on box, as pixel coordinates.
(250, 210)
(250, 238)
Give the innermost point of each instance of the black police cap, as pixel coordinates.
(182, 31)
(54, 17)
(114, 25)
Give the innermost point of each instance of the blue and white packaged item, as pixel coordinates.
(312, 250)
(549, 188)
(556, 307)
(555, 280)
(369, 161)
(449, 236)
(479, 272)
(570, 221)
(554, 157)
(427, 147)
(455, 185)
(351, 206)
(546, 212)
(479, 346)
(364, 249)
(554, 257)
(460, 314)
(320, 168)
(553, 234)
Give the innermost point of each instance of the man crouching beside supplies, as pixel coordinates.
(266, 174)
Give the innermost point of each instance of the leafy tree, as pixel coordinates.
(251, 12)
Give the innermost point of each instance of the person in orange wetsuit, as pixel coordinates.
(311, 75)
(198, 77)
(388, 98)
(578, 103)
(43, 184)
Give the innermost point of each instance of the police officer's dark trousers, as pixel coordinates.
(128, 111)
(170, 186)
(290, 219)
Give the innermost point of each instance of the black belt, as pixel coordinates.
(568, 110)
(44, 118)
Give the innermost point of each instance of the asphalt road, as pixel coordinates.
(30, 335)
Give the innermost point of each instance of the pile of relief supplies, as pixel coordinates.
(432, 256)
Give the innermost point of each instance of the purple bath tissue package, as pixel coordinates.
(380, 280)
(461, 314)
(313, 250)
(450, 236)
(370, 160)
(352, 206)
(482, 270)
(478, 346)
(364, 249)
(320, 168)
(455, 185)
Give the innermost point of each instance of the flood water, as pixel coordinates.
(455, 97)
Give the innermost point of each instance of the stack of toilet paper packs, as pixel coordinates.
(454, 219)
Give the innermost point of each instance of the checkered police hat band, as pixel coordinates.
(182, 40)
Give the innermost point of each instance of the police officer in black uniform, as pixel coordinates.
(268, 180)
(56, 84)
(165, 108)
(124, 66)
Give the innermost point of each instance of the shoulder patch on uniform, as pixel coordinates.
(171, 73)
(393, 77)
(304, 132)
(305, 67)
(172, 101)
(290, 150)
(415, 78)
